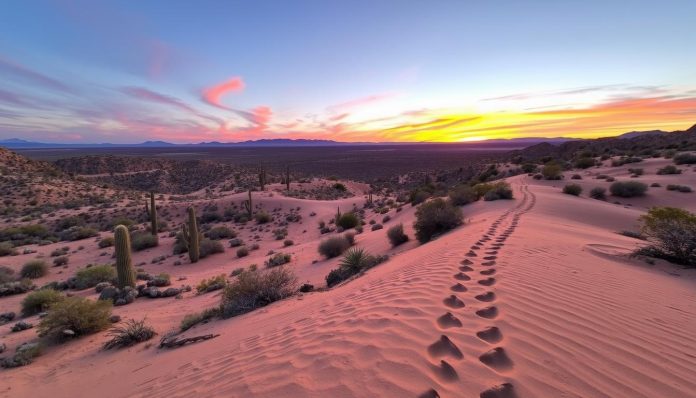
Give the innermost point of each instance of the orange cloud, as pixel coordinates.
(213, 95)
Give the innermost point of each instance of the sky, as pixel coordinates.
(125, 71)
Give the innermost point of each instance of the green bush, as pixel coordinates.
(129, 333)
(462, 195)
(354, 261)
(60, 261)
(552, 172)
(77, 233)
(34, 269)
(598, 193)
(348, 220)
(242, 252)
(418, 196)
(91, 276)
(628, 189)
(7, 249)
(584, 163)
(572, 189)
(396, 235)
(220, 232)
(685, 158)
(436, 217)
(80, 315)
(191, 320)
(669, 169)
(278, 259)
(142, 240)
(212, 283)
(494, 191)
(208, 247)
(106, 241)
(6, 274)
(333, 246)
(255, 289)
(39, 300)
(262, 217)
(672, 232)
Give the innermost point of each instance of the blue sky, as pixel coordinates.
(129, 71)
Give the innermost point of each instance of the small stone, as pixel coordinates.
(21, 325)
(69, 333)
(115, 318)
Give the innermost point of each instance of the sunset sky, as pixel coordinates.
(378, 70)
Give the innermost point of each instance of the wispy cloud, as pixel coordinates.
(213, 95)
(17, 70)
(152, 96)
(360, 102)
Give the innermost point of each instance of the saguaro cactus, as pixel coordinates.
(153, 215)
(191, 237)
(338, 214)
(287, 177)
(262, 179)
(249, 206)
(124, 267)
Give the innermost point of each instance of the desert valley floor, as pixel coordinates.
(537, 292)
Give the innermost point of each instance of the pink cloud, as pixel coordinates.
(213, 95)
(358, 102)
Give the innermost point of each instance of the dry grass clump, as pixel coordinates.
(75, 317)
(129, 333)
(258, 288)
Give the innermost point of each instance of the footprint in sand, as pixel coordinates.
(470, 254)
(465, 268)
(488, 271)
(488, 263)
(488, 312)
(444, 347)
(432, 394)
(487, 282)
(497, 359)
(490, 335)
(462, 277)
(453, 302)
(504, 390)
(449, 321)
(492, 252)
(458, 288)
(490, 257)
(466, 261)
(488, 296)
(445, 371)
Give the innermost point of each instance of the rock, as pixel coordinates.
(159, 282)
(3, 347)
(115, 318)
(120, 302)
(43, 314)
(152, 292)
(109, 293)
(171, 292)
(69, 333)
(101, 286)
(21, 325)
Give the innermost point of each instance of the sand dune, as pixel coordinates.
(528, 299)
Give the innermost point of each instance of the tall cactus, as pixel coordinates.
(287, 177)
(124, 266)
(262, 179)
(191, 236)
(338, 214)
(153, 215)
(249, 206)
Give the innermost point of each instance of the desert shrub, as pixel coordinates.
(572, 189)
(680, 188)
(353, 262)
(610, 179)
(625, 160)
(278, 259)
(77, 233)
(16, 287)
(220, 232)
(396, 235)
(348, 220)
(672, 232)
(339, 187)
(350, 237)
(39, 300)
(684, 158)
(6, 274)
(436, 217)
(255, 289)
(669, 169)
(7, 249)
(91, 276)
(129, 333)
(262, 217)
(59, 261)
(628, 189)
(242, 252)
(60, 252)
(552, 172)
(80, 315)
(598, 193)
(209, 246)
(418, 196)
(334, 246)
(212, 283)
(191, 320)
(584, 163)
(633, 234)
(494, 191)
(142, 241)
(288, 242)
(105, 242)
(637, 172)
(210, 216)
(376, 227)
(528, 167)
(462, 195)
(34, 269)
(576, 177)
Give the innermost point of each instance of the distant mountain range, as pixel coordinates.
(16, 143)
